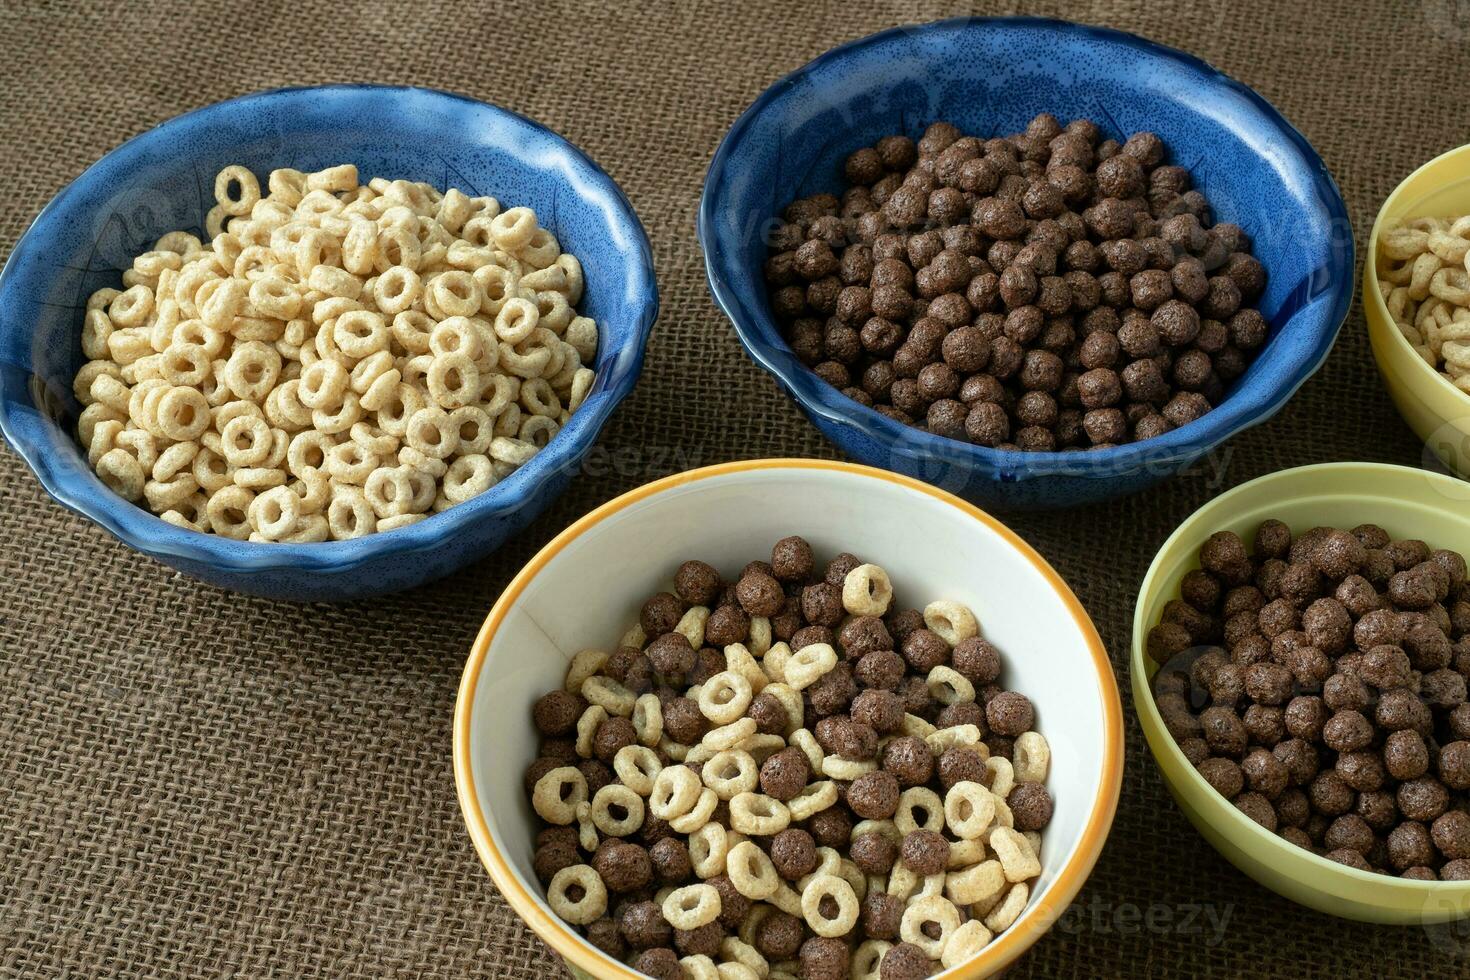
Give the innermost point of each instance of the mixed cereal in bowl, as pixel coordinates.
(785, 774)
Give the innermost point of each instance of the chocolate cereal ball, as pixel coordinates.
(881, 915)
(779, 936)
(1010, 713)
(669, 858)
(660, 963)
(874, 853)
(824, 959)
(904, 961)
(794, 853)
(784, 774)
(697, 583)
(556, 713)
(924, 852)
(909, 760)
(874, 795)
(644, 927)
(1031, 806)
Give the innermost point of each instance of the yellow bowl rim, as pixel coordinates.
(1032, 924)
(1372, 294)
(1220, 808)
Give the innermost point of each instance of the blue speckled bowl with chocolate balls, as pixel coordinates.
(1111, 260)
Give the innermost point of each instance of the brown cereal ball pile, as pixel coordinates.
(787, 773)
(1319, 682)
(1051, 290)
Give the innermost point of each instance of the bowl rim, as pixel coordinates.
(145, 532)
(1036, 919)
(820, 400)
(1373, 296)
(1220, 810)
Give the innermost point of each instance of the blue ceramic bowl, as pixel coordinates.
(161, 181)
(990, 77)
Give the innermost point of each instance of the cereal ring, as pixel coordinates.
(637, 766)
(935, 910)
(698, 816)
(1014, 853)
(360, 333)
(953, 621)
(557, 793)
(1030, 758)
(612, 800)
(468, 476)
(183, 414)
(275, 512)
(916, 800)
(942, 739)
(809, 665)
(349, 515)
(323, 385)
(349, 463)
(676, 790)
(582, 666)
(1009, 910)
(751, 871)
(691, 625)
(758, 815)
(827, 886)
(977, 884)
(948, 686)
(453, 380)
(608, 694)
(731, 772)
(729, 736)
(866, 591)
(1002, 775)
(812, 800)
(431, 432)
(590, 904)
(724, 697)
(969, 809)
(835, 767)
(965, 943)
(692, 906)
(229, 510)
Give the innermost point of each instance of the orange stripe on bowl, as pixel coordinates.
(1037, 918)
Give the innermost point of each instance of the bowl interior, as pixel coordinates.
(163, 180)
(587, 587)
(990, 77)
(1440, 188)
(1408, 503)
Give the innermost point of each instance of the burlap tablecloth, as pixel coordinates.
(193, 783)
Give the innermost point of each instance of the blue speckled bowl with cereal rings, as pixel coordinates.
(161, 181)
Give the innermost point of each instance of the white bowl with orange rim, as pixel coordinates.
(585, 587)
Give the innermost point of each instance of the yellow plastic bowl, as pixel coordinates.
(1437, 411)
(1408, 503)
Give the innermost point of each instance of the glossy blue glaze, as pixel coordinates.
(990, 77)
(163, 180)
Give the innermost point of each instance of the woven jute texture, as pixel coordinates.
(198, 784)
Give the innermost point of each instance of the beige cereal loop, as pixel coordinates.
(692, 906)
(709, 846)
(975, 884)
(751, 871)
(724, 697)
(1014, 853)
(953, 621)
(758, 815)
(729, 736)
(1002, 775)
(812, 800)
(917, 801)
(1031, 758)
(969, 809)
(675, 791)
(846, 914)
(1009, 910)
(935, 910)
(609, 694)
(949, 686)
(637, 766)
(867, 959)
(698, 815)
(577, 894)
(965, 943)
(942, 739)
(585, 664)
(587, 725)
(866, 591)
(617, 810)
(556, 795)
(648, 719)
(730, 773)
(809, 665)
